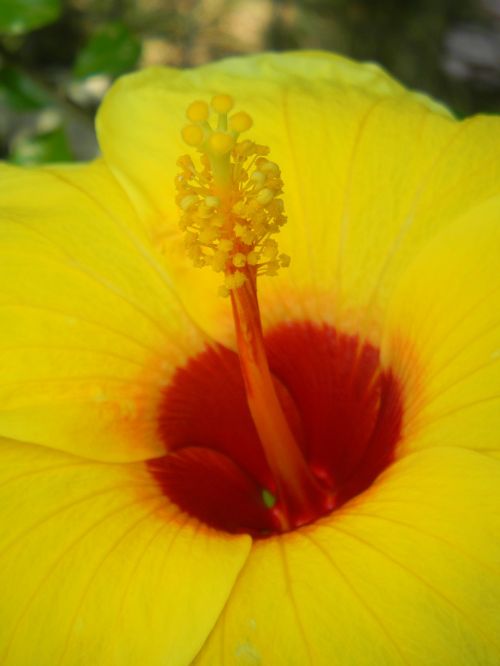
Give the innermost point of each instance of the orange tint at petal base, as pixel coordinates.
(344, 411)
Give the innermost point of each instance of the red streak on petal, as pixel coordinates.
(351, 410)
(345, 413)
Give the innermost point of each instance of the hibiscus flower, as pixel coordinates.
(305, 471)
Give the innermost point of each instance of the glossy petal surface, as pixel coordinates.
(443, 336)
(91, 329)
(97, 568)
(407, 574)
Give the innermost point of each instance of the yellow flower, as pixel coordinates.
(140, 523)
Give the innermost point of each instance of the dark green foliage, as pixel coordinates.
(111, 50)
(21, 16)
(50, 146)
(20, 92)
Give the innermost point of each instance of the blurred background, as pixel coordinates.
(58, 57)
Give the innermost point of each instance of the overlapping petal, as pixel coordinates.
(371, 171)
(442, 336)
(409, 573)
(91, 328)
(97, 567)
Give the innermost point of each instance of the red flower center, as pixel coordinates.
(344, 411)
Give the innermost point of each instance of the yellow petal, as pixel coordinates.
(370, 172)
(409, 573)
(97, 567)
(442, 336)
(91, 328)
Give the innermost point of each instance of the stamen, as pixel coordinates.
(231, 207)
(233, 193)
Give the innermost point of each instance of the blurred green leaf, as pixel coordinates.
(20, 92)
(51, 146)
(112, 50)
(20, 16)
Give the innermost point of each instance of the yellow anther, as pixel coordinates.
(222, 103)
(212, 202)
(249, 237)
(267, 166)
(188, 201)
(246, 234)
(197, 111)
(240, 122)
(272, 267)
(239, 229)
(235, 280)
(203, 210)
(284, 260)
(226, 245)
(244, 149)
(269, 251)
(185, 162)
(221, 143)
(265, 196)
(239, 259)
(253, 258)
(219, 261)
(192, 135)
(208, 235)
(277, 207)
(258, 177)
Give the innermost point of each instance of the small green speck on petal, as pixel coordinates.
(268, 498)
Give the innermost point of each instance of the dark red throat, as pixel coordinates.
(345, 413)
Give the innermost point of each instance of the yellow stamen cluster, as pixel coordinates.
(230, 198)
